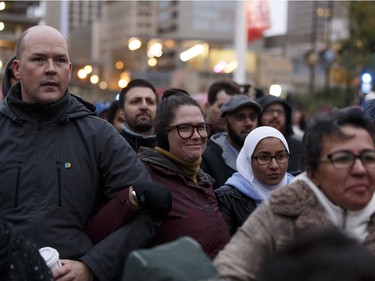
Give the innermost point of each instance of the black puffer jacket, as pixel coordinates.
(234, 205)
(57, 164)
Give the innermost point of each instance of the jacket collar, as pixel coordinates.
(68, 107)
(298, 201)
(151, 156)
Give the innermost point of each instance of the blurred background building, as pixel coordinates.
(15, 17)
(186, 44)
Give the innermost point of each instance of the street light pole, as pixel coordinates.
(314, 27)
(64, 18)
(240, 42)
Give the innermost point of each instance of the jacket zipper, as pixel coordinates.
(19, 167)
(58, 168)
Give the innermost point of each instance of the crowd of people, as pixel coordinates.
(231, 175)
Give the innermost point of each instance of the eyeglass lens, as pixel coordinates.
(186, 131)
(273, 111)
(345, 159)
(264, 159)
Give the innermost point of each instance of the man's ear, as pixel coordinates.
(16, 67)
(206, 106)
(71, 69)
(223, 124)
(121, 113)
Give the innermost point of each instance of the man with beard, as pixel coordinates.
(239, 116)
(139, 101)
(277, 113)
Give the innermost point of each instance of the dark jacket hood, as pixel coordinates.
(268, 100)
(370, 109)
(68, 107)
(5, 86)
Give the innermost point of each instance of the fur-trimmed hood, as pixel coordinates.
(290, 211)
(298, 201)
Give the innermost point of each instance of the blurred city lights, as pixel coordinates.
(366, 84)
(2, 26)
(94, 79)
(82, 74)
(103, 85)
(122, 83)
(220, 66)
(169, 43)
(232, 65)
(275, 90)
(152, 62)
(2, 5)
(225, 67)
(134, 44)
(366, 77)
(194, 51)
(88, 69)
(155, 50)
(119, 64)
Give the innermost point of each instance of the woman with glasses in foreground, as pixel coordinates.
(262, 167)
(181, 138)
(336, 190)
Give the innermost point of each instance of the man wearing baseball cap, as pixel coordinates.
(239, 116)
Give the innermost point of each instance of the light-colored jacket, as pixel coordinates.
(290, 210)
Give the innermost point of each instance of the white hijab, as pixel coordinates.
(243, 163)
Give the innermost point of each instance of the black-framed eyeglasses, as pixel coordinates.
(272, 111)
(186, 131)
(265, 158)
(345, 159)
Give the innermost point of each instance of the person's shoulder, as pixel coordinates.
(292, 198)
(224, 189)
(145, 151)
(211, 150)
(148, 155)
(295, 139)
(214, 143)
(217, 136)
(99, 123)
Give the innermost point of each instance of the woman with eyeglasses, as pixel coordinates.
(262, 167)
(335, 191)
(181, 137)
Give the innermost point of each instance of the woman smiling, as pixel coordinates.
(181, 136)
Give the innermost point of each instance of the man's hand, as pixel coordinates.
(153, 195)
(72, 271)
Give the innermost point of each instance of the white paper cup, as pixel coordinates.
(51, 257)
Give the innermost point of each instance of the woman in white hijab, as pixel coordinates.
(262, 167)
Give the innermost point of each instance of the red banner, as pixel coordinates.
(257, 18)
